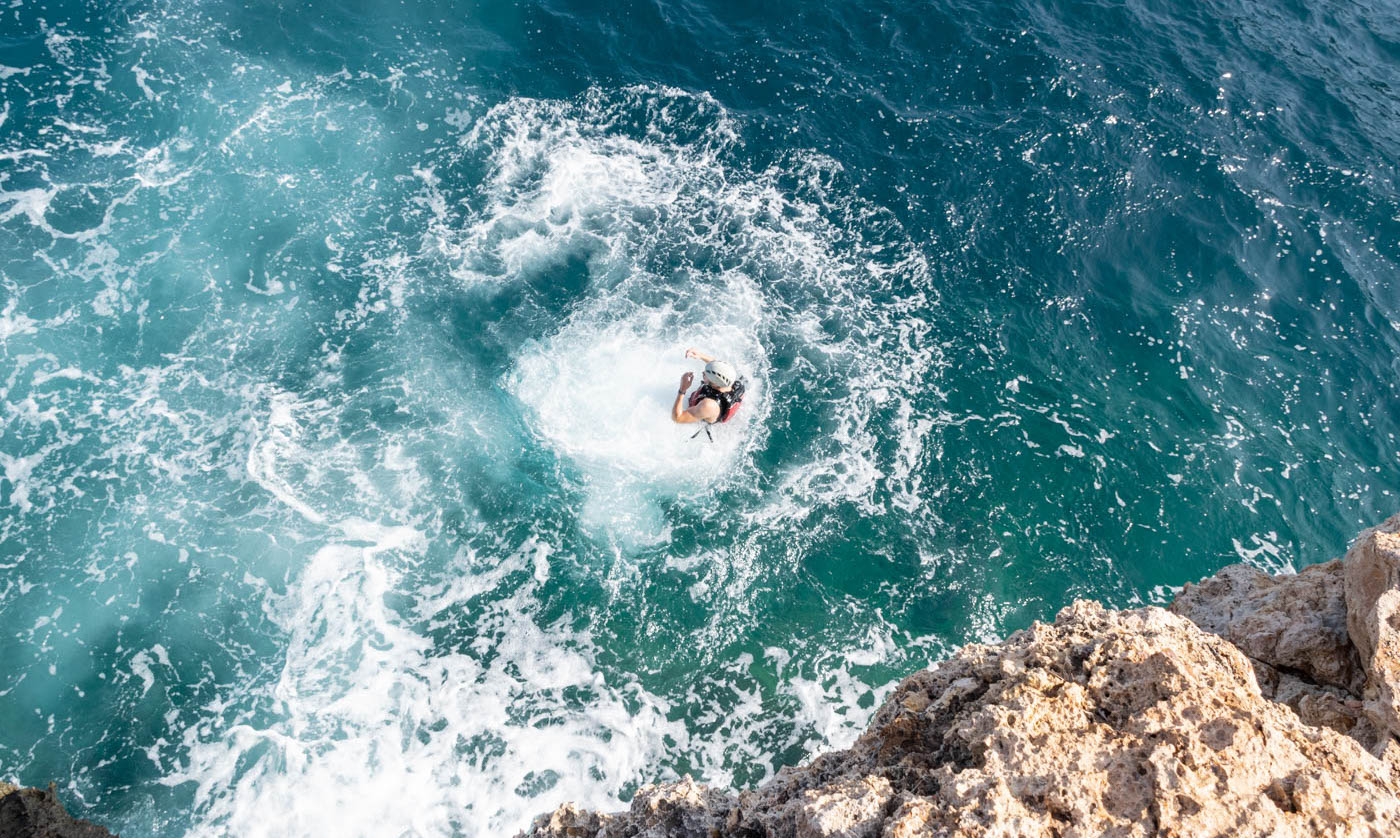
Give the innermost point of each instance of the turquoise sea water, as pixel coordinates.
(337, 340)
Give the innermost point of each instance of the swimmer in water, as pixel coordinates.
(718, 397)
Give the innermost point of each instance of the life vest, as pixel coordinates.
(729, 402)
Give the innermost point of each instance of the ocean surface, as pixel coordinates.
(338, 493)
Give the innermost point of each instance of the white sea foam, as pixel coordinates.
(377, 733)
(274, 436)
(373, 725)
(562, 184)
(141, 665)
(19, 471)
(14, 323)
(600, 391)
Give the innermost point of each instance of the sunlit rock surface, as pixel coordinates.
(1256, 705)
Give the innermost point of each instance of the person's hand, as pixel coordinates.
(692, 353)
(686, 380)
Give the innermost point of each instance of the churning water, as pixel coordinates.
(338, 494)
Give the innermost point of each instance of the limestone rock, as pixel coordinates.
(569, 821)
(1296, 622)
(1127, 723)
(853, 808)
(1325, 642)
(684, 809)
(1373, 618)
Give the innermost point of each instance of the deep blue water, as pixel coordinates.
(337, 339)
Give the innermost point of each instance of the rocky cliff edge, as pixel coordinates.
(1253, 706)
(37, 813)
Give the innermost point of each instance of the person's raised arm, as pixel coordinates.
(678, 411)
(695, 353)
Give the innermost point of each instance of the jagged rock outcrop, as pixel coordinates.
(1296, 623)
(1294, 631)
(1256, 706)
(1325, 641)
(36, 813)
(1373, 619)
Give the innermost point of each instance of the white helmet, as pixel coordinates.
(720, 374)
